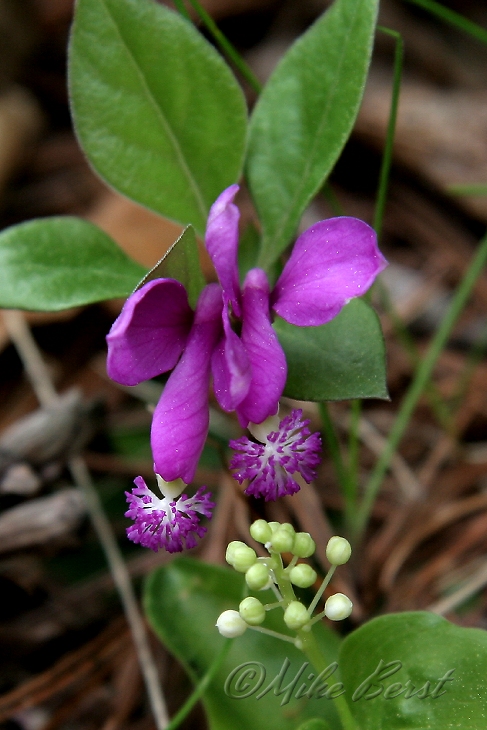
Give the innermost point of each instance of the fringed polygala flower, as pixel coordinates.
(270, 465)
(171, 521)
(230, 335)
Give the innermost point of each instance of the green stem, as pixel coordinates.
(274, 634)
(353, 450)
(182, 9)
(421, 378)
(184, 711)
(321, 589)
(307, 641)
(320, 663)
(453, 18)
(391, 128)
(336, 454)
(439, 407)
(228, 49)
(332, 199)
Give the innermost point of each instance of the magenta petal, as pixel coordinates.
(332, 262)
(180, 422)
(231, 368)
(221, 241)
(150, 333)
(267, 359)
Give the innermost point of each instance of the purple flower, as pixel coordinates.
(166, 522)
(270, 465)
(230, 335)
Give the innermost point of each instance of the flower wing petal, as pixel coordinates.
(231, 368)
(267, 360)
(221, 241)
(180, 422)
(332, 262)
(150, 333)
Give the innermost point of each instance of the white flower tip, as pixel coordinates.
(230, 624)
(170, 490)
(260, 431)
(338, 607)
(338, 550)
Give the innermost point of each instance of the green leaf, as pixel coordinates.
(157, 110)
(315, 723)
(341, 360)
(181, 262)
(305, 115)
(56, 263)
(183, 601)
(423, 649)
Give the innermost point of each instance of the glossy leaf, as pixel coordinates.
(183, 601)
(55, 263)
(157, 110)
(436, 674)
(304, 117)
(181, 262)
(340, 360)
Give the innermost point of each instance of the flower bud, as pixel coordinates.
(274, 525)
(338, 607)
(232, 546)
(243, 558)
(258, 576)
(230, 624)
(302, 575)
(287, 527)
(338, 550)
(252, 611)
(282, 539)
(296, 616)
(261, 531)
(304, 545)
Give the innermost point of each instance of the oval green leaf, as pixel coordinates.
(183, 601)
(157, 110)
(415, 670)
(51, 264)
(305, 115)
(341, 360)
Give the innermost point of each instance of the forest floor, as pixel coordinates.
(67, 659)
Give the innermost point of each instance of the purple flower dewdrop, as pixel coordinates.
(269, 466)
(170, 522)
(229, 336)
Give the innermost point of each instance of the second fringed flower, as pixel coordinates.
(171, 521)
(270, 465)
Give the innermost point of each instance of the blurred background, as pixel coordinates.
(66, 656)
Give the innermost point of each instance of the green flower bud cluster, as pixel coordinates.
(282, 538)
(269, 572)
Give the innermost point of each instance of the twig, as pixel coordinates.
(41, 381)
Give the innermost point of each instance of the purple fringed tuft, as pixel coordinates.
(161, 523)
(269, 467)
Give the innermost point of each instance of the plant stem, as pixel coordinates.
(335, 452)
(421, 378)
(182, 9)
(391, 128)
(453, 18)
(320, 663)
(321, 589)
(228, 49)
(200, 687)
